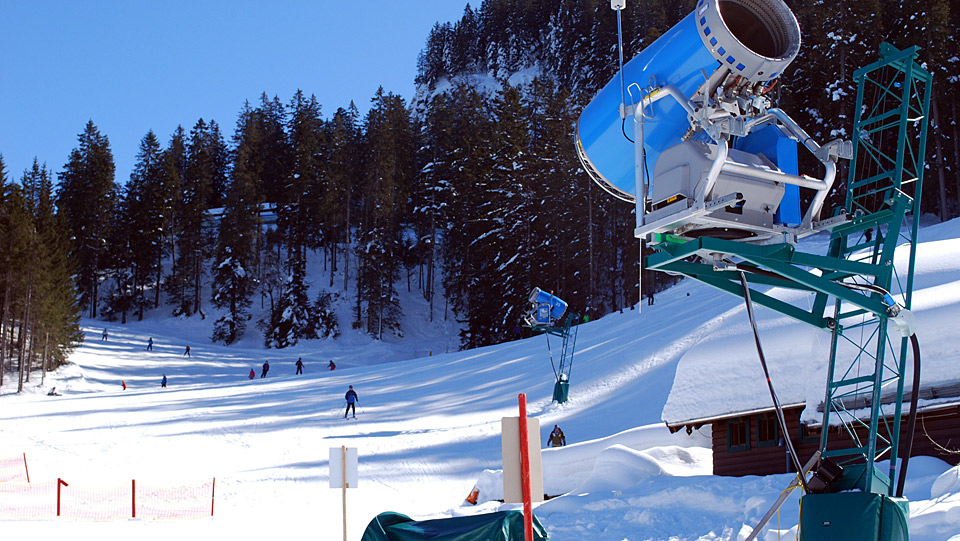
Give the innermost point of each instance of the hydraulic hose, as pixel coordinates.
(912, 418)
(773, 394)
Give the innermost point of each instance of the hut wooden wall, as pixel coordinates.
(942, 426)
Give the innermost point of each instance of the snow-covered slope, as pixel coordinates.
(427, 430)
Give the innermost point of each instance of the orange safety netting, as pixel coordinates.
(28, 500)
(13, 469)
(40, 500)
(183, 502)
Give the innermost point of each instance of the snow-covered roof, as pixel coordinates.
(722, 376)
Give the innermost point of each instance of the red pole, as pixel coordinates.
(525, 471)
(60, 482)
(213, 491)
(25, 466)
(133, 494)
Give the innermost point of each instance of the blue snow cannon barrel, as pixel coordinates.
(548, 308)
(755, 39)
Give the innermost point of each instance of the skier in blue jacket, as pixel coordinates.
(352, 400)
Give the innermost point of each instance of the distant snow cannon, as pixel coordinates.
(694, 108)
(546, 315)
(545, 308)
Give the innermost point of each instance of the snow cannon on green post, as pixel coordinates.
(548, 314)
(721, 196)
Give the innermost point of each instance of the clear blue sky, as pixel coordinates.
(131, 65)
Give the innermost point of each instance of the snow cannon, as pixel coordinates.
(545, 308)
(695, 109)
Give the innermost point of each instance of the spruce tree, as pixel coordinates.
(86, 199)
(234, 277)
(387, 176)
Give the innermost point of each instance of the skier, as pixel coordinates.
(150, 344)
(331, 365)
(103, 336)
(557, 439)
(352, 400)
(163, 382)
(53, 392)
(266, 368)
(124, 383)
(186, 352)
(299, 365)
(252, 374)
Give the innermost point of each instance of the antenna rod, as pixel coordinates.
(619, 5)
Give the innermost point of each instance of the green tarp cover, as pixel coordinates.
(500, 526)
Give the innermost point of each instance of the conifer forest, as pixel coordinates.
(468, 193)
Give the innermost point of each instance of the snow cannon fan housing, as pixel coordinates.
(545, 308)
(699, 98)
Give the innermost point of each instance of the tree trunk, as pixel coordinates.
(956, 146)
(46, 342)
(3, 327)
(156, 293)
(941, 177)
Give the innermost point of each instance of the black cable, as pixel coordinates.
(623, 129)
(547, 334)
(773, 394)
(912, 422)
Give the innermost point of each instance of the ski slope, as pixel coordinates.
(427, 429)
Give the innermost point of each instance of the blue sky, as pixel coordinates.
(131, 66)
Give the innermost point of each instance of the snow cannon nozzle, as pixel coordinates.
(545, 308)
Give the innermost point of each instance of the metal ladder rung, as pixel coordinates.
(846, 452)
(851, 381)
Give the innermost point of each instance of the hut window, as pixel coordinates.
(738, 434)
(768, 433)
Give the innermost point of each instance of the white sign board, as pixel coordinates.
(510, 441)
(337, 466)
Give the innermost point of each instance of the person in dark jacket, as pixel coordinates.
(150, 344)
(299, 365)
(331, 366)
(163, 382)
(557, 439)
(266, 368)
(186, 352)
(352, 400)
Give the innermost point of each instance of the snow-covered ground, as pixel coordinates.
(428, 429)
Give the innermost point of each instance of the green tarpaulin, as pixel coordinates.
(500, 526)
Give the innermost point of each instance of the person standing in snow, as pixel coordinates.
(557, 439)
(163, 382)
(266, 368)
(103, 336)
(299, 365)
(150, 344)
(252, 374)
(186, 352)
(352, 400)
(331, 365)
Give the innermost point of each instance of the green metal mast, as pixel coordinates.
(883, 198)
(567, 332)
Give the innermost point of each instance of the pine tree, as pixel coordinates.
(388, 174)
(234, 280)
(193, 242)
(86, 199)
(298, 221)
(342, 164)
(463, 260)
